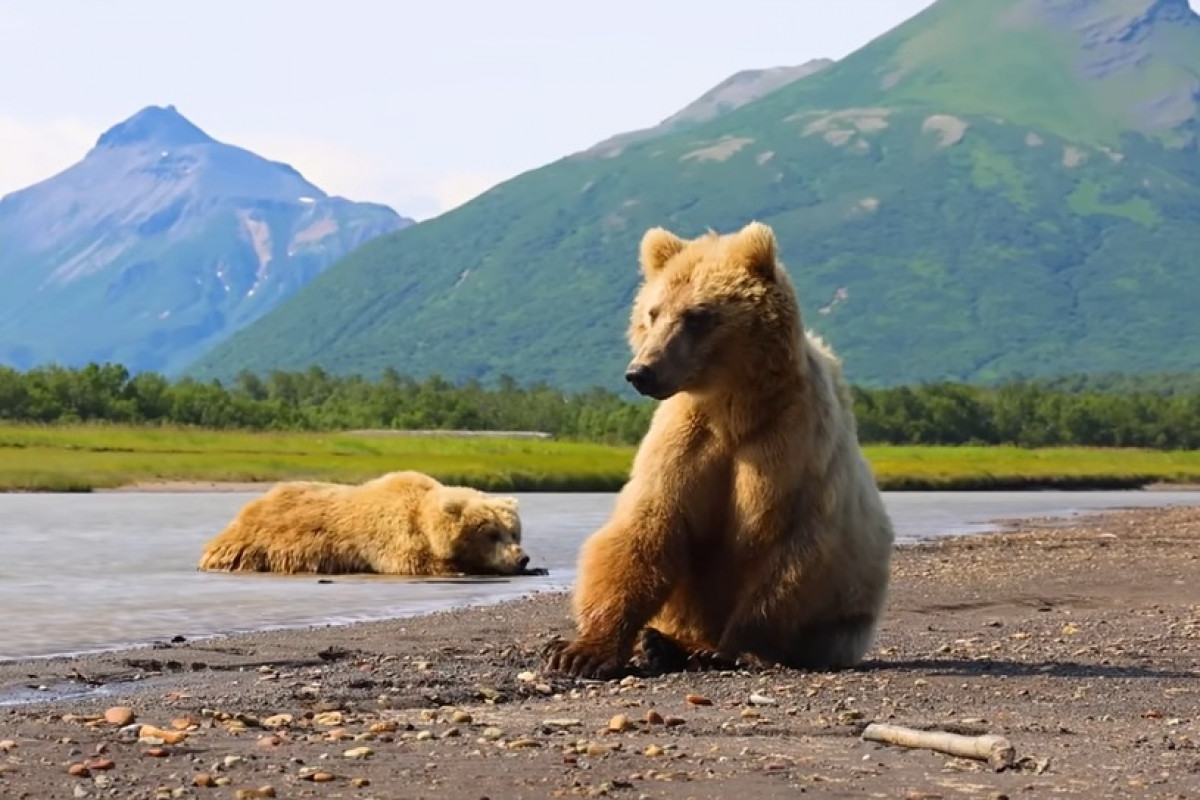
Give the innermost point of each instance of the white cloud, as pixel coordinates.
(34, 151)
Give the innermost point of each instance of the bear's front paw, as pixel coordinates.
(535, 571)
(584, 659)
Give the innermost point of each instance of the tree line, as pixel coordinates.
(1161, 412)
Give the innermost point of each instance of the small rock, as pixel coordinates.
(757, 699)
(750, 713)
(387, 726)
(492, 734)
(148, 734)
(328, 719)
(318, 776)
(450, 733)
(99, 763)
(461, 718)
(424, 736)
(359, 783)
(232, 761)
(78, 791)
(119, 716)
(653, 717)
(523, 744)
(269, 741)
(619, 723)
(653, 751)
(203, 780)
(6, 745)
(158, 752)
(527, 677)
(359, 752)
(255, 794)
(597, 749)
(78, 771)
(697, 700)
(673, 722)
(278, 721)
(183, 723)
(561, 723)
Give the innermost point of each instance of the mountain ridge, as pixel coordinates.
(160, 242)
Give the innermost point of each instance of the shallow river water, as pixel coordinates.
(84, 572)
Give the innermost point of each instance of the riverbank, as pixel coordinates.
(91, 458)
(1076, 642)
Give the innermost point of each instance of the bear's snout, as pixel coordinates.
(643, 378)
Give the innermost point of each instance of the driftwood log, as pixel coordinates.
(994, 749)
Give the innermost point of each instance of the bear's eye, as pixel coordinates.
(698, 320)
(494, 534)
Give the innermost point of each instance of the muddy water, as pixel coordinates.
(97, 571)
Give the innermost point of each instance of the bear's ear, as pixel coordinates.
(453, 504)
(755, 249)
(659, 246)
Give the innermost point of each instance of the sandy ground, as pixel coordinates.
(1079, 644)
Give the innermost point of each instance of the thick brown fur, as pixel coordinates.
(751, 529)
(401, 523)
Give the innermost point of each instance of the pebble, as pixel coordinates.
(6, 745)
(183, 723)
(387, 726)
(673, 722)
(654, 718)
(757, 699)
(99, 763)
(231, 761)
(119, 716)
(359, 752)
(523, 744)
(562, 723)
(492, 734)
(203, 780)
(653, 750)
(78, 771)
(461, 718)
(320, 776)
(750, 713)
(527, 677)
(424, 736)
(148, 734)
(255, 794)
(359, 783)
(619, 723)
(697, 700)
(278, 721)
(329, 719)
(158, 752)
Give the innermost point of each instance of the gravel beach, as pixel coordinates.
(1079, 642)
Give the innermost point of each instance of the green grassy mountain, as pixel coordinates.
(995, 187)
(159, 243)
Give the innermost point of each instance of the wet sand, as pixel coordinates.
(1079, 642)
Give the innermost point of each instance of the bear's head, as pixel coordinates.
(479, 533)
(709, 311)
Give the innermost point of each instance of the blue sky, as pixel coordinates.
(416, 104)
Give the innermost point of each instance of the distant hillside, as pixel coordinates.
(160, 243)
(993, 188)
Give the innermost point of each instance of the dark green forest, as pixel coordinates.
(1155, 411)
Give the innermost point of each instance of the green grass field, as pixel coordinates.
(82, 458)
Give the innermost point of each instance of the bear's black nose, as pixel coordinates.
(641, 378)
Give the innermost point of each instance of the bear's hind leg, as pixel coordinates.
(834, 645)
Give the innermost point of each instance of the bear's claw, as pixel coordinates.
(583, 659)
(660, 654)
